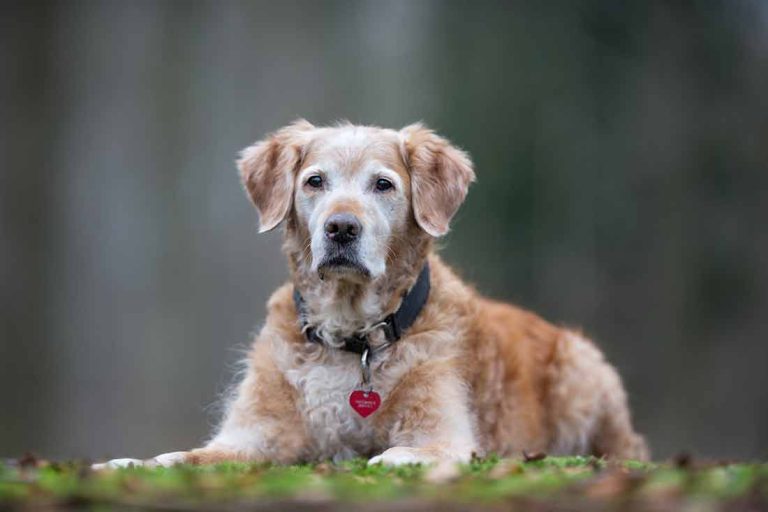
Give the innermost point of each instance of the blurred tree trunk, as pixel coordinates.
(27, 110)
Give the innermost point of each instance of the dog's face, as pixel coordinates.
(353, 194)
(355, 191)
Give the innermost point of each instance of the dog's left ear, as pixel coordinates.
(440, 177)
(267, 171)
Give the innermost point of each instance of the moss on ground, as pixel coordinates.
(552, 483)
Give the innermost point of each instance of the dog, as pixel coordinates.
(375, 348)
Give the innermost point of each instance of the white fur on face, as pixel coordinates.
(353, 191)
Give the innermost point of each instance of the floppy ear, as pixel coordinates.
(267, 171)
(440, 177)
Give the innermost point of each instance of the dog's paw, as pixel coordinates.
(168, 459)
(163, 460)
(400, 455)
(117, 463)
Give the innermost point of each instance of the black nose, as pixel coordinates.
(342, 228)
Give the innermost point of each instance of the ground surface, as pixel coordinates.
(528, 483)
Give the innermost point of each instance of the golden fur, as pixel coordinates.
(471, 375)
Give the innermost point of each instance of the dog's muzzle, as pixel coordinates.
(342, 240)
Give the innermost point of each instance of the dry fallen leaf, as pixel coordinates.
(533, 457)
(29, 460)
(683, 460)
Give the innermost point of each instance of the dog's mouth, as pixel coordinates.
(340, 262)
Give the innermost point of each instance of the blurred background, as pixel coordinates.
(622, 155)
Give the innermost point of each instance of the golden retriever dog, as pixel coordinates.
(375, 348)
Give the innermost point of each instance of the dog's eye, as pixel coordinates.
(315, 181)
(382, 185)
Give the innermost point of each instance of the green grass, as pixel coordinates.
(568, 483)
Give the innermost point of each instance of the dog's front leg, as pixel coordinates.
(427, 419)
(261, 424)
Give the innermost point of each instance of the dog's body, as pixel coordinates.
(362, 207)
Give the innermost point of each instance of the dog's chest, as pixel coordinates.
(335, 429)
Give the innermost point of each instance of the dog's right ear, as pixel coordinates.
(267, 171)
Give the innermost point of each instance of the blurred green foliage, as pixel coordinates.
(582, 482)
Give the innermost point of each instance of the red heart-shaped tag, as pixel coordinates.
(364, 403)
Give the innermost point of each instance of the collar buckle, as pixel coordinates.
(357, 343)
(390, 328)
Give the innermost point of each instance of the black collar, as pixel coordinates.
(393, 325)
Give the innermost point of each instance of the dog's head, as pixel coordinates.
(354, 192)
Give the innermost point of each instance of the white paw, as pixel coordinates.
(168, 459)
(165, 460)
(400, 455)
(117, 463)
